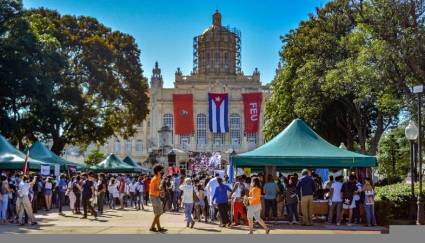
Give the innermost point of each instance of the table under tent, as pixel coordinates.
(40, 152)
(298, 147)
(13, 159)
(112, 164)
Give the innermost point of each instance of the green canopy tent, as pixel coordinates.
(40, 152)
(131, 162)
(298, 146)
(112, 164)
(13, 159)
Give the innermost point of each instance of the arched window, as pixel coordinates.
(139, 146)
(169, 122)
(117, 147)
(235, 129)
(128, 146)
(201, 129)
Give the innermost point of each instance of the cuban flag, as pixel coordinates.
(218, 104)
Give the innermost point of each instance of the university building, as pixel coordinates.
(216, 70)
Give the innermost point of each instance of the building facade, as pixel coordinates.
(216, 69)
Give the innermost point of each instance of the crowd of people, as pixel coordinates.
(202, 197)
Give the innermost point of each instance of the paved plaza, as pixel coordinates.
(130, 221)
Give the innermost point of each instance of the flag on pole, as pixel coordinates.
(231, 176)
(26, 168)
(217, 111)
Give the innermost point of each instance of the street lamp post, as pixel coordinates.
(420, 218)
(411, 131)
(164, 139)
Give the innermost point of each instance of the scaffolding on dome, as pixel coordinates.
(238, 47)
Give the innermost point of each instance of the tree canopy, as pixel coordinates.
(346, 70)
(69, 79)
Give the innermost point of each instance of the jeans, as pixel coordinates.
(88, 206)
(370, 214)
(292, 211)
(270, 204)
(338, 207)
(175, 200)
(77, 201)
(188, 207)
(4, 202)
(61, 200)
(100, 201)
(139, 199)
(111, 201)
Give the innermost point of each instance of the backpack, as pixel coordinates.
(75, 188)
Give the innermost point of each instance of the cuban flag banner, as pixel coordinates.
(218, 104)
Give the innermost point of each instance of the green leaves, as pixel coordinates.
(340, 75)
(76, 80)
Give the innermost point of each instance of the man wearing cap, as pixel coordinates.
(306, 188)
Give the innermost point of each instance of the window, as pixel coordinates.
(217, 59)
(218, 138)
(251, 138)
(201, 129)
(235, 129)
(168, 121)
(128, 146)
(139, 146)
(117, 147)
(184, 141)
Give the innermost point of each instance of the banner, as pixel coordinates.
(72, 169)
(183, 114)
(57, 170)
(218, 105)
(45, 170)
(252, 108)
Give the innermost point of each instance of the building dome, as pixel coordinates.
(217, 49)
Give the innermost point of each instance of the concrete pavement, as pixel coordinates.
(130, 221)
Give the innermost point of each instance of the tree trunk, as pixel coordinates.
(58, 145)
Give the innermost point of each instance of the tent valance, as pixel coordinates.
(298, 146)
(131, 162)
(13, 159)
(40, 152)
(112, 164)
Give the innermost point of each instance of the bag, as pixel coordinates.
(75, 188)
(246, 201)
(195, 197)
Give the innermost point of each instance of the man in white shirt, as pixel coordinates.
(23, 203)
(210, 189)
(335, 200)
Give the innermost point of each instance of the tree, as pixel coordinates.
(394, 154)
(24, 57)
(75, 81)
(331, 77)
(94, 157)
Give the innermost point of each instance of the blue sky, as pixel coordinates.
(164, 30)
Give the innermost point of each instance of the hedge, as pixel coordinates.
(392, 202)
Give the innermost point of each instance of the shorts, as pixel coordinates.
(254, 211)
(349, 206)
(156, 205)
(121, 195)
(47, 192)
